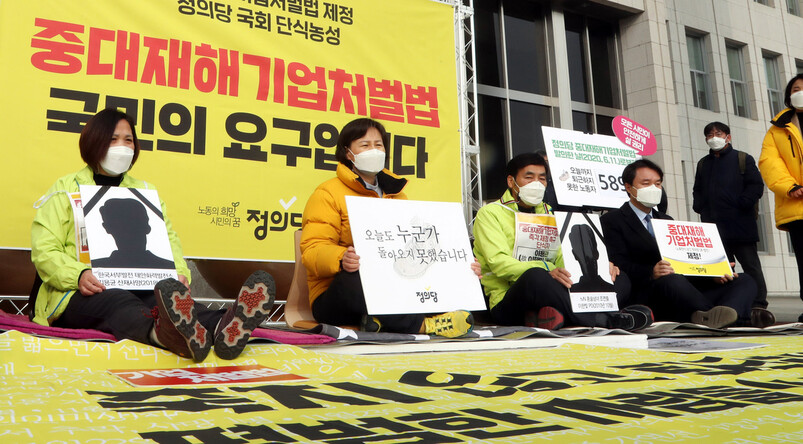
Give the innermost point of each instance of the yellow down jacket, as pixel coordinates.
(781, 166)
(326, 233)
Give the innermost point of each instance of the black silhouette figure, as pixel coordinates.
(126, 220)
(584, 248)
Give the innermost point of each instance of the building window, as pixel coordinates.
(799, 66)
(793, 7)
(514, 85)
(517, 86)
(738, 81)
(699, 74)
(591, 49)
(774, 87)
(763, 2)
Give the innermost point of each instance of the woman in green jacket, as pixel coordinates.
(71, 296)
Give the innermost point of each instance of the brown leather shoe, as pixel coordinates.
(761, 317)
(253, 305)
(176, 322)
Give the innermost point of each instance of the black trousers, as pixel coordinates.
(747, 255)
(675, 297)
(536, 289)
(123, 313)
(343, 303)
(796, 236)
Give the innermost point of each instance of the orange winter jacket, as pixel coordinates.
(326, 233)
(781, 166)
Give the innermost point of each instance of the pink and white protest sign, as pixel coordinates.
(634, 135)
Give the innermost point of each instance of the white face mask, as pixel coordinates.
(649, 196)
(369, 161)
(716, 143)
(532, 194)
(797, 100)
(118, 159)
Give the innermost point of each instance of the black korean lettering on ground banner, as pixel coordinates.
(420, 379)
(327, 430)
(420, 436)
(511, 418)
(263, 433)
(596, 407)
(753, 396)
(214, 435)
(199, 400)
(390, 395)
(300, 396)
(583, 376)
(343, 433)
(775, 384)
(707, 366)
(677, 401)
(379, 422)
(476, 427)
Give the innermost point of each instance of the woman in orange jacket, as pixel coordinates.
(327, 248)
(781, 166)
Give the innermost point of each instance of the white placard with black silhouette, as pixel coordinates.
(415, 256)
(586, 259)
(128, 243)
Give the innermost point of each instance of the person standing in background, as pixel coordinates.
(727, 187)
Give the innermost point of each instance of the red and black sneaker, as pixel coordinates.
(176, 322)
(549, 318)
(253, 305)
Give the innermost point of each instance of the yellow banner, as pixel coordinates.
(238, 104)
(60, 391)
(691, 269)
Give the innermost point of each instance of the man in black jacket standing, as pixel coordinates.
(630, 239)
(727, 187)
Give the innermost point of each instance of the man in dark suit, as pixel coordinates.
(714, 302)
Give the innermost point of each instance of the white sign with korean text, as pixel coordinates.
(536, 238)
(415, 256)
(586, 259)
(593, 302)
(586, 169)
(692, 248)
(128, 243)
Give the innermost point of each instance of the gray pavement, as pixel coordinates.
(785, 308)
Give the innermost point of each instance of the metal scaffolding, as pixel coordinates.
(465, 57)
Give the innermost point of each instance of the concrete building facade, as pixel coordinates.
(672, 65)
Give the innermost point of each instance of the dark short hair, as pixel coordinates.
(522, 160)
(716, 126)
(354, 130)
(629, 173)
(97, 135)
(787, 93)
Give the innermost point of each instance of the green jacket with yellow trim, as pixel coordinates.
(494, 236)
(53, 250)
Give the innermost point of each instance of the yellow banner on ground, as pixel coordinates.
(238, 104)
(60, 391)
